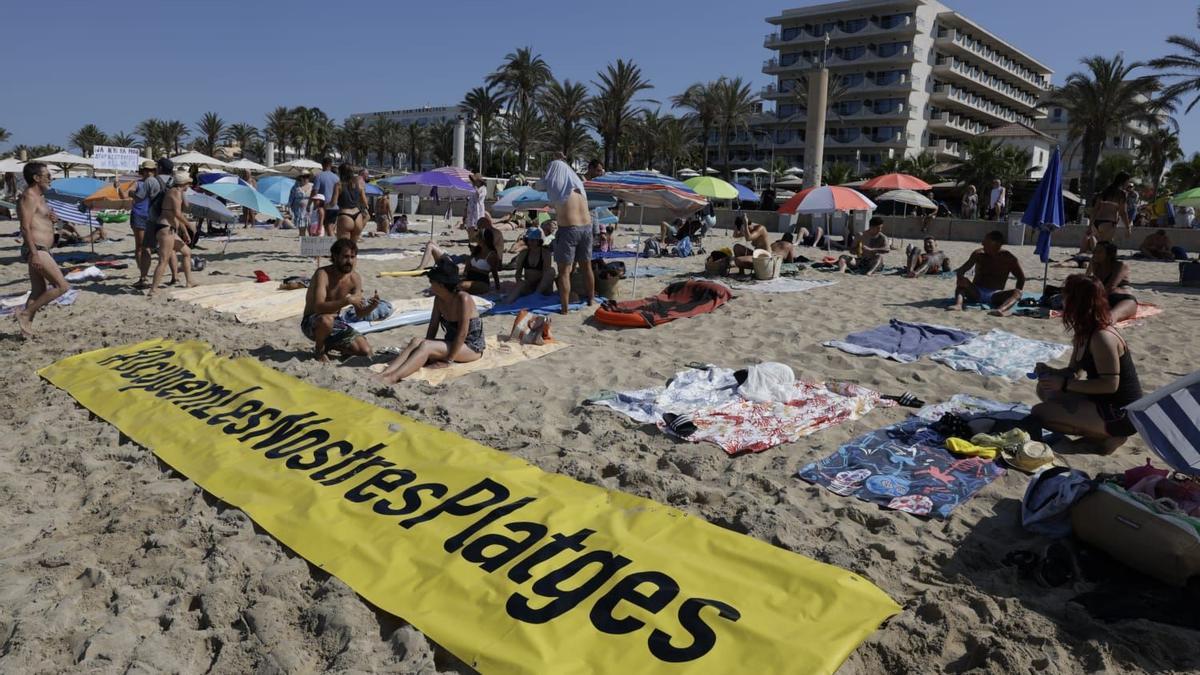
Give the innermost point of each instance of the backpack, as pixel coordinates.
(652, 249)
(156, 199)
(684, 248)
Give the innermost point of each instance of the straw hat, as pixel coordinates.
(147, 164)
(1031, 457)
(182, 178)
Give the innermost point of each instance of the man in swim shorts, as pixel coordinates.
(992, 265)
(333, 287)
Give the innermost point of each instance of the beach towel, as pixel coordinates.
(984, 306)
(410, 233)
(720, 415)
(498, 353)
(247, 301)
(388, 254)
(11, 304)
(1145, 310)
(999, 353)
(905, 467)
(779, 285)
(679, 300)
(597, 255)
(408, 312)
(402, 273)
(238, 237)
(646, 271)
(89, 273)
(901, 341)
(536, 303)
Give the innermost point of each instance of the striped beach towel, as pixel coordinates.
(1169, 420)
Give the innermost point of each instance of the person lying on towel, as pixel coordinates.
(992, 265)
(535, 269)
(454, 310)
(333, 287)
(927, 260)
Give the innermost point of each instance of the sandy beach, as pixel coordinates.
(112, 562)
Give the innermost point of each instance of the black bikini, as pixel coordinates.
(1112, 406)
(474, 339)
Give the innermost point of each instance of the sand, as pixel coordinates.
(111, 562)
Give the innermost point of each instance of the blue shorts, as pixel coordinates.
(139, 222)
(985, 294)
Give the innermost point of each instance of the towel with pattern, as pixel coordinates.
(779, 285)
(1000, 353)
(906, 468)
(901, 341)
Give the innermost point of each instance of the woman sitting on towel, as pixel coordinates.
(535, 269)
(1088, 397)
(454, 310)
(1114, 274)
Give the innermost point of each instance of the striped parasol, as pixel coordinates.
(827, 199)
(647, 189)
(456, 171)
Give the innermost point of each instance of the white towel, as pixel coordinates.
(769, 382)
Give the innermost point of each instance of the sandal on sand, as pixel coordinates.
(680, 425)
(906, 399)
(697, 365)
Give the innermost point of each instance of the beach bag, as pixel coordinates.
(767, 267)
(1046, 507)
(652, 249)
(1143, 534)
(684, 248)
(1189, 274)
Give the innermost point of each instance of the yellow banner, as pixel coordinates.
(511, 568)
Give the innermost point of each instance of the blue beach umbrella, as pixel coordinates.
(205, 207)
(745, 194)
(373, 190)
(536, 199)
(1045, 211)
(218, 177)
(276, 188)
(79, 187)
(244, 196)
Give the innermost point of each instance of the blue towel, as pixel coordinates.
(596, 255)
(902, 341)
(983, 305)
(538, 304)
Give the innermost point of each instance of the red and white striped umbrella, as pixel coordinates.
(827, 199)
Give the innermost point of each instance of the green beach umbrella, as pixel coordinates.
(713, 188)
(1190, 198)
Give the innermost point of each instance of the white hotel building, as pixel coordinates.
(918, 77)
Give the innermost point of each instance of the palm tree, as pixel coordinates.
(210, 128)
(676, 143)
(612, 106)
(279, 128)
(484, 105)
(122, 140)
(837, 173)
(1184, 174)
(523, 127)
(440, 139)
(151, 132)
(414, 139)
(311, 129)
(519, 79)
(352, 139)
(838, 91)
(242, 135)
(988, 160)
(564, 107)
(174, 134)
(4, 135)
(382, 135)
(1158, 148)
(1183, 67)
(87, 138)
(700, 101)
(735, 104)
(1101, 100)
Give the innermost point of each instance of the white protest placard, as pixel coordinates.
(316, 247)
(115, 158)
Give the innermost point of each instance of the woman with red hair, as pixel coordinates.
(1088, 397)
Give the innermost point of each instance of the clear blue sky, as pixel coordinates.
(70, 63)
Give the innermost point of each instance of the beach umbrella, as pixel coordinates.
(296, 166)
(711, 171)
(437, 184)
(793, 171)
(713, 188)
(206, 207)
(896, 181)
(78, 188)
(536, 199)
(109, 197)
(827, 199)
(907, 197)
(277, 188)
(11, 165)
(244, 196)
(745, 194)
(456, 171)
(245, 164)
(193, 158)
(789, 183)
(64, 160)
(740, 171)
(504, 203)
(373, 190)
(1045, 211)
(1187, 198)
(218, 177)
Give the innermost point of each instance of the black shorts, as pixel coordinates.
(1116, 420)
(330, 217)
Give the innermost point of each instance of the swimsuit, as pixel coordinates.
(474, 339)
(341, 334)
(1112, 406)
(25, 250)
(1116, 296)
(348, 198)
(478, 270)
(985, 294)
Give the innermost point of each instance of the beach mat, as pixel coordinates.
(538, 304)
(779, 285)
(409, 312)
(11, 304)
(498, 353)
(1145, 310)
(999, 353)
(680, 300)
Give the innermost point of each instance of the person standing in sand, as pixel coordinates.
(992, 265)
(350, 198)
(573, 239)
(166, 231)
(37, 234)
(333, 287)
(324, 184)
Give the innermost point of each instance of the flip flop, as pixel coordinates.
(906, 399)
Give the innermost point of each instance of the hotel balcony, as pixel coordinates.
(954, 41)
(844, 30)
(864, 112)
(773, 92)
(954, 69)
(947, 122)
(872, 54)
(854, 138)
(944, 149)
(997, 115)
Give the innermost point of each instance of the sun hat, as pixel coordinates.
(318, 196)
(444, 272)
(147, 164)
(1031, 457)
(533, 233)
(181, 178)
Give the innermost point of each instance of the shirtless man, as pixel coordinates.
(332, 288)
(784, 248)
(928, 261)
(37, 234)
(752, 232)
(573, 239)
(992, 266)
(1157, 246)
(170, 232)
(870, 258)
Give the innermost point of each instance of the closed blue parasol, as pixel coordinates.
(244, 196)
(1045, 211)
